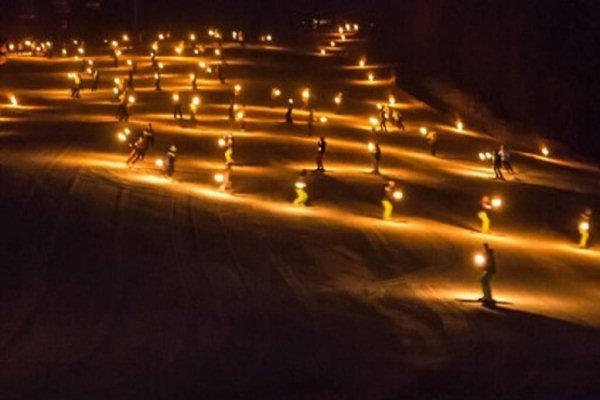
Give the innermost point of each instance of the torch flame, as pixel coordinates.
(545, 151)
(479, 259)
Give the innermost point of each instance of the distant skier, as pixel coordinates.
(148, 134)
(177, 107)
(489, 270)
(398, 119)
(194, 104)
(485, 205)
(122, 112)
(228, 144)
(130, 79)
(288, 115)
(432, 139)
(300, 187)
(171, 156)
(96, 80)
(383, 118)
(220, 74)
(376, 151)
(241, 116)
(76, 88)
(505, 159)
(157, 86)
(387, 200)
(226, 184)
(497, 164)
(193, 80)
(321, 149)
(138, 151)
(115, 56)
(583, 227)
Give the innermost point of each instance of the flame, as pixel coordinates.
(479, 259)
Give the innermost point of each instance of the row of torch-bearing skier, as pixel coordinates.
(390, 194)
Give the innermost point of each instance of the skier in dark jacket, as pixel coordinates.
(321, 149)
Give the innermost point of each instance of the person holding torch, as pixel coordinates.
(390, 195)
(177, 107)
(76, 85)
(584, 227)
(375, 150)
(157, 86)
(485, 205)
(194, 105)
(227, 142)
(300, 187)
(170, 161)
(96, 80)
(288, 114)
(487, 262)
(138, 151)
(321, 149)
(432, 139)
(193, 80)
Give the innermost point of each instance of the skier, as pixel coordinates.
(321, 149)
(288, 115)
(220, 74)
(122, 113)
(229, 141)
(505, 158)
(177, 107)
(194, 108)
(193, 80)
(399, 120)
(387, 200)
(115, 56)
(171, 155)
(76, 85)
(489, 270)
(376, 151)
(432, 138)
(153, 59)
(225, 177)
(148, 134)
(241, 116)
(497, 164)
(130, 79)
(584, 227)
(300, 187)
(382, 119)
(157, 81)
(138, 151)
(485, 205)
(96, 80)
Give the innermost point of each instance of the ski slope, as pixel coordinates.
(117, 283)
